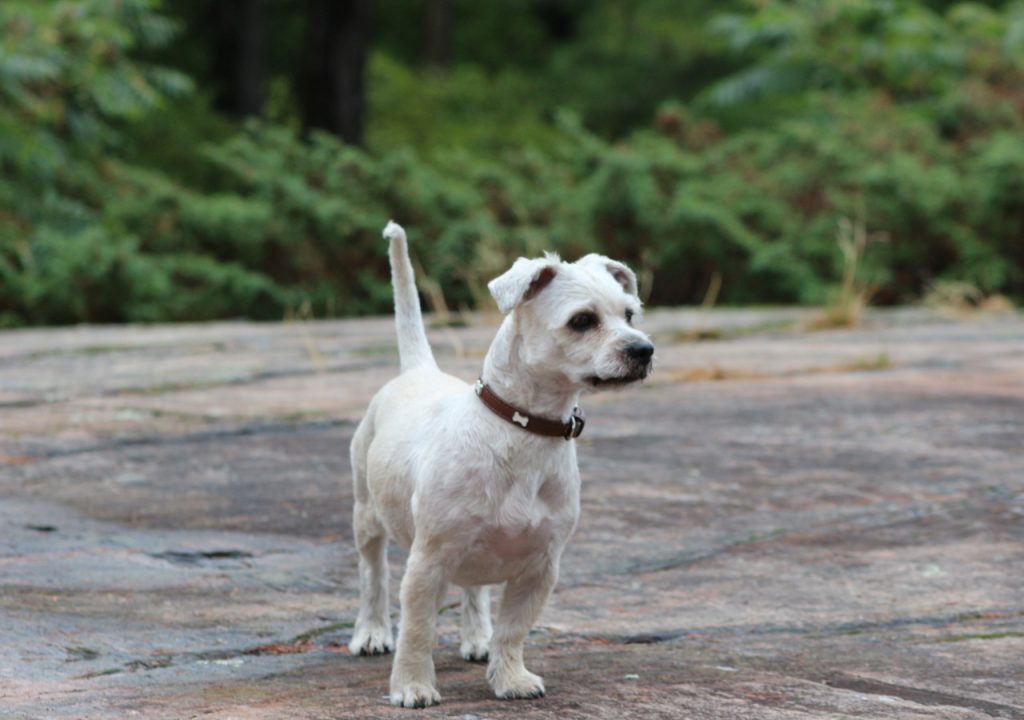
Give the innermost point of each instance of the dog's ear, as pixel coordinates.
(522, 281)
(622, 274)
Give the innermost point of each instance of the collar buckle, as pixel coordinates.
(575, 425)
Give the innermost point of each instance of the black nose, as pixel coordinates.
(640, 351)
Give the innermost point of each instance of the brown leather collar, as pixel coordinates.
(529, 423)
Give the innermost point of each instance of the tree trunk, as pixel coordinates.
(439, 32)
(332, 83)
(239, 55)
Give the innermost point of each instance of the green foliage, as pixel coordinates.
(435, 110)
(906, 107)
(126, 198)
(908, 50)
(630, 57)
(67, 84)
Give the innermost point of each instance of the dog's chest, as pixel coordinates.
(523, 524)
(503, 551)
(526, 521)
(518, 541)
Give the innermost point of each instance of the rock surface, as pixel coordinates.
(779, 524)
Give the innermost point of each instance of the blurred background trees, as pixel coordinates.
(199, 159)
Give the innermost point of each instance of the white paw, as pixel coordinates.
(415, 695)
(475, 650)
(522, 685)
(371, 640)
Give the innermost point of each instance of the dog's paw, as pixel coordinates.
(521, 686)
(415, 695)
(371, 640)
(475, 650)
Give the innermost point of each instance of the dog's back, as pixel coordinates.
(405, 409)
(389, 440)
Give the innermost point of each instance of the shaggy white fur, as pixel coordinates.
(476, 499)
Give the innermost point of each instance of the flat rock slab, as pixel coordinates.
(779, 524)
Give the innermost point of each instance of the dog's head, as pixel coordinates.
(576, 319)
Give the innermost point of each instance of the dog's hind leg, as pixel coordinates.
(475, 626)
(372, 635)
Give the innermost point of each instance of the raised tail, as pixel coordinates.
(413, 348)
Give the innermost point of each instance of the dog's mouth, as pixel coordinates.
(616, 381)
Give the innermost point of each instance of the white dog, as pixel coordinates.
(481, 482)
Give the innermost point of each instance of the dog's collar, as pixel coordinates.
(529, 423)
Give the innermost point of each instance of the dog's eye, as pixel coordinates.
(583, 321)
(629, 316)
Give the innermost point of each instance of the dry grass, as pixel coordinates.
(301, 318)
(711, 373)
(852, 296)
(710, 298)
(717, 373)
(964, 300)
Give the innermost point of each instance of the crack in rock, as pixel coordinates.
(183, 557)
(922, 696)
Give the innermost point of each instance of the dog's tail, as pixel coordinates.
(413, 348)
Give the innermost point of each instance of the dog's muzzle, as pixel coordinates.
(639, 359)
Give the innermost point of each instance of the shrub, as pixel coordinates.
(908, 122)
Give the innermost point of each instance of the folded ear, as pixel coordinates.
(622, 274)
(522, 281)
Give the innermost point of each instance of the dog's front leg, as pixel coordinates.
(521, 605)
(423, 588)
